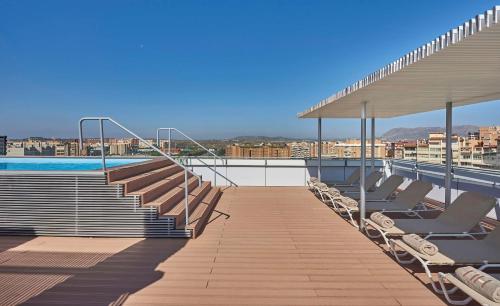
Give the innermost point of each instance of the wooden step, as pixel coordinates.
(178, 211)
(145, 179)
(198, 219)
(157, 189)
(167, 201)
(122, 172)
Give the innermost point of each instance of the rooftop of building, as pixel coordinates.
(262, 246)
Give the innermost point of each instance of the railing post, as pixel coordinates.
(186, 200)
(103, 152)
(215, 171)
(158, 138)
(80, 135)
(169, 140)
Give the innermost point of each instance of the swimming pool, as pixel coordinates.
(61, 164)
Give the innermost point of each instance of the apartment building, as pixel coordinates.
(67, 149)
(263, 150)
(300, 149)
(489, 135)
(478, 149)
(121, 149)
(350, 148)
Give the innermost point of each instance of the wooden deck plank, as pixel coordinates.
(262, 246)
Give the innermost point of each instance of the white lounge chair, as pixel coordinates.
(452, 253)
(408, 201)
(383, 192)
(460, 218)
(352, 180)
(370, 182)
(472, 293)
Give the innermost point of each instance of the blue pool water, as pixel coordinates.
(61, 164)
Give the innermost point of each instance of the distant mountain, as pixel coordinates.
(423, 132)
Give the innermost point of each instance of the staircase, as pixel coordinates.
(159, 185)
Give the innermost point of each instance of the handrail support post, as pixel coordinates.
(103, 152)
(186, 199)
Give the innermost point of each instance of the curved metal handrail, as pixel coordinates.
(103, 154)
(214, 169)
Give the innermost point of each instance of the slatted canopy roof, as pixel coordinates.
(462, 66)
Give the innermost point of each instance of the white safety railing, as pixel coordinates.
(103, 153)
(214, 156)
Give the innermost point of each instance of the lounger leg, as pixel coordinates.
(441, 277)
(392, 249)
(372, 236)
(322, 197)
(352, 219)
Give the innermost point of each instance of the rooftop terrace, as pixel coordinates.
(262, 246)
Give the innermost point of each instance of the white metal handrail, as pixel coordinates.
(215, 156)
(455, 177)
(103, 153)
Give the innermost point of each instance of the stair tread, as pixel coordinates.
(180, 206)
(162, 199)
(142, 175)
(125, 171)
(157, 184)
(198, 213)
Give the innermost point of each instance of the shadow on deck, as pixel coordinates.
(262, 246)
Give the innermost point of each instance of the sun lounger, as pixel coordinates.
(370, 182)
(383, 192)
(461, 217)
(408, 201)
(451, 252)
(312, 181)
(350, 181)
(473, 293)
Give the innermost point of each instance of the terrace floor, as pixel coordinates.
(263, 246)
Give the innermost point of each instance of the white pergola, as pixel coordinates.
(458, 68)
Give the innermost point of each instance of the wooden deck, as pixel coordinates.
(263, 246)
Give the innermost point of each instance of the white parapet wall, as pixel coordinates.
(296, 172)
(272, 172)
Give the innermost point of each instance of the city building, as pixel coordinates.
(300, 149)
(489, 135)
(263, 150)
(479, 149)
(121, 149)
(67, 148)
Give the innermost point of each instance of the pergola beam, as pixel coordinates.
(449, 154)
(362, 213)
(320, 147)
(372, 137)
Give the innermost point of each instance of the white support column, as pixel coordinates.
(416, 162)
(362, 213)
(449, 155)
(373, 145)
(320, 148)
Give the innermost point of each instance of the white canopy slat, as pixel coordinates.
(461, 66)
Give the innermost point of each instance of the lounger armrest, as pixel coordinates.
(351, 192)
(406, 210)
(488, 266)
(409, 210)
(469, 235)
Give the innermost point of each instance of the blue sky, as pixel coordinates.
(214, 69)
